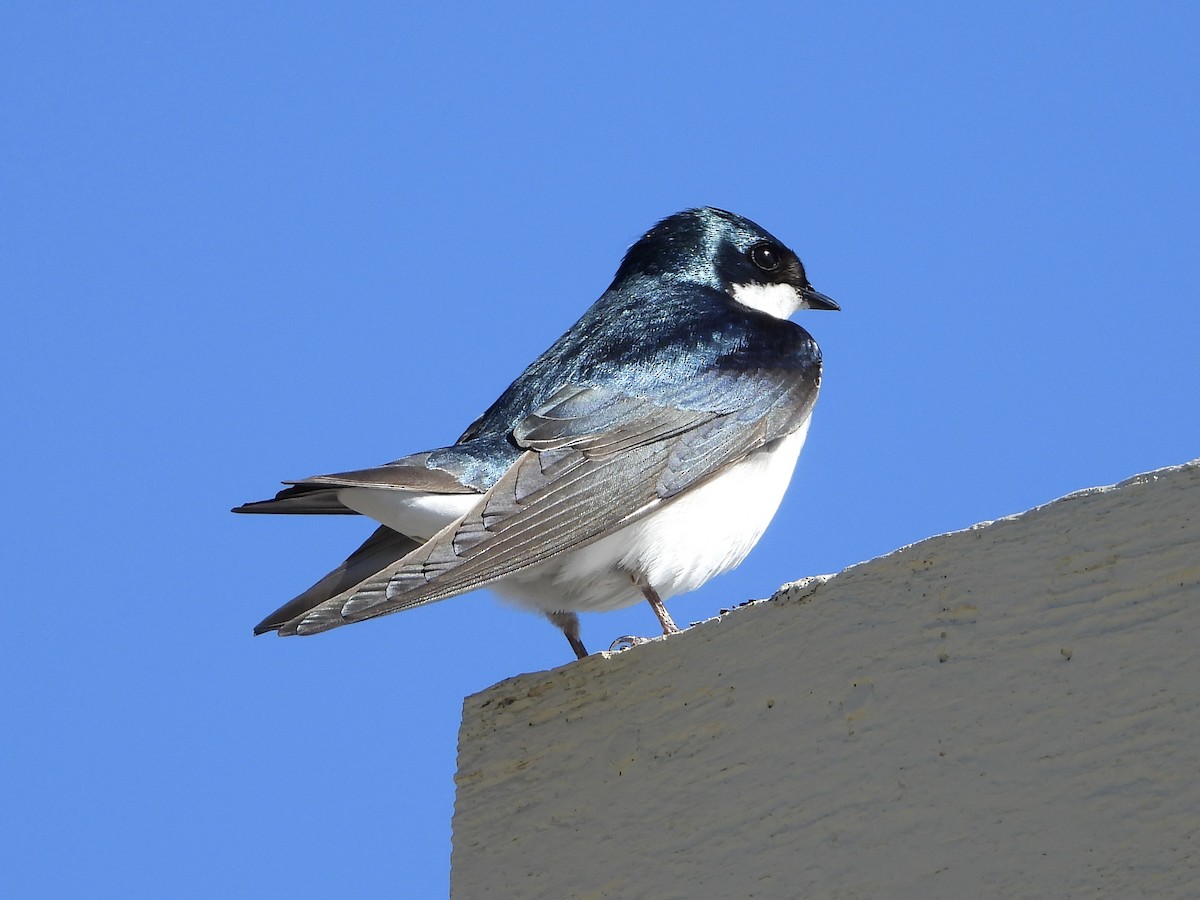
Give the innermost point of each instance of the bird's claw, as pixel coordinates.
(625, 642)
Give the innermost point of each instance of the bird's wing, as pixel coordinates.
(595, 461)
(380, 550)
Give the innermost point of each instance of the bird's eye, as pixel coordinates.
(766, 256)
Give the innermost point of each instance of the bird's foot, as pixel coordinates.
(626, 641)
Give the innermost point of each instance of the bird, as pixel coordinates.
(643, 453)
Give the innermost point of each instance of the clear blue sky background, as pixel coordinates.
(245, 242)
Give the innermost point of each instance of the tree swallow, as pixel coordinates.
(642, 454)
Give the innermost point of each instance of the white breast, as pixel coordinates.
(705, 531)
(711, 528)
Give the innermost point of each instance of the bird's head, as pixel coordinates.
(729, 253)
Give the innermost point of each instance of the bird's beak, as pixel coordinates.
(816, 300)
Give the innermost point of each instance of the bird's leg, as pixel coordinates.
(569, 623)
(656, 604)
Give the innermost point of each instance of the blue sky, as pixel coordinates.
(242, 243)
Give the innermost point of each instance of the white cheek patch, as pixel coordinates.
(778, 300)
